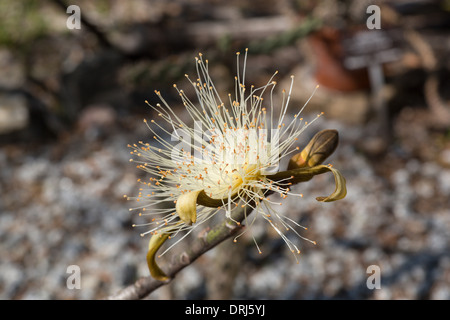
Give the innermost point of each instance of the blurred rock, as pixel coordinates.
(13, 113)
(352, 108)
(97, 121)
(13, 73)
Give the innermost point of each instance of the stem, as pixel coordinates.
(224, 230)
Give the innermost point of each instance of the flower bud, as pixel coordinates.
(321, 146)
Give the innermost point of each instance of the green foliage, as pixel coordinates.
(21, 22)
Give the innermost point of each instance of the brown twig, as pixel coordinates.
(144, 286)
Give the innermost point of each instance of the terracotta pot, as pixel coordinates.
(326, 45)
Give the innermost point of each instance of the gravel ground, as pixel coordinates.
(62, 189)
(63, 205)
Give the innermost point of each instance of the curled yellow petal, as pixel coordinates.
(340, 191)
(186, 207)
(156, 241)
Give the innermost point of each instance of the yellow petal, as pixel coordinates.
(156, 241)
(340, 191)
(186, 207)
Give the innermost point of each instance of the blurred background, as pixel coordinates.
(72, 99)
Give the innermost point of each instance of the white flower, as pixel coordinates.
(227, 158)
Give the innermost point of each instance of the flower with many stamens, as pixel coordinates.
(227, 158)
